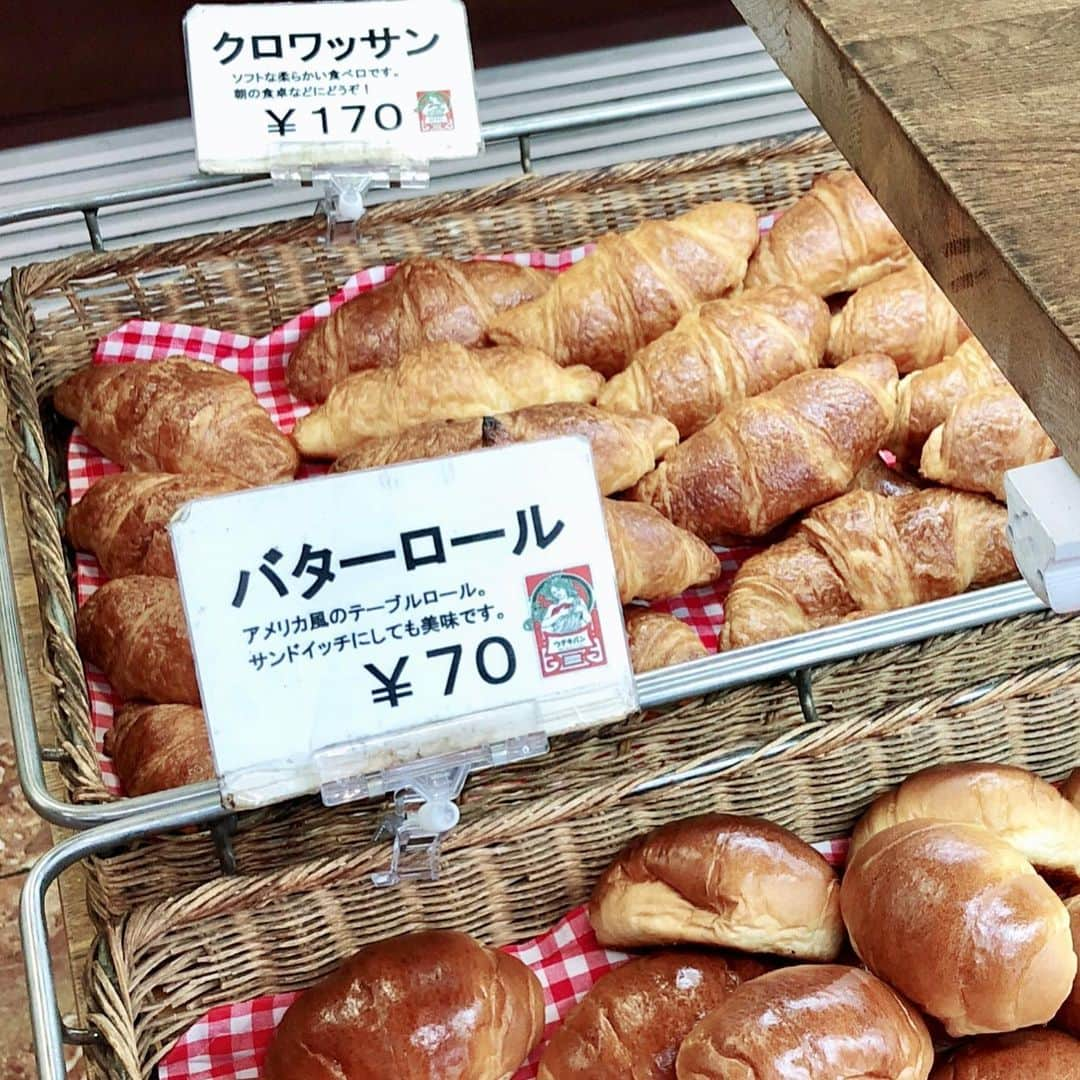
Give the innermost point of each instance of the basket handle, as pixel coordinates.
(49, 1030)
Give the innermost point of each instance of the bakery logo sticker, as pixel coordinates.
(564, 621)
(434, 110)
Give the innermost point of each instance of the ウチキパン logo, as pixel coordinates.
(564, 621)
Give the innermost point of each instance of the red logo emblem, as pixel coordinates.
(564, 621)
(435, 110)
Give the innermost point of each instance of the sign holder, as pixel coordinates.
(440, 637)
(354, 96)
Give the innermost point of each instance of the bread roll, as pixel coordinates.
(124, 518)
(809, 1022)
(177, 415)
(760, 462)
(720, 880)
(1068, 1016)
(631, 1023)
(134, 629)
(624, 447)
(433, 1005)
(959, 922)
(159, 747)
(634, 286)
(426, 301)
(653, 558)
(658, 640)
(440, 382)
(1014, 804)
(904, 315)
(834, 239)
(1026, 1055)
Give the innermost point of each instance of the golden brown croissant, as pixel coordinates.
(658, 640)
(134, 629)
(904, 315)
(925, 398)
(721, 353)
(653, 558)
(834, 239)
(864, 553)
(624, 448)
(775, 454)
(985, 435)
(158, 747)
(440, 382)
(882, 480)
(426, 301)
(123, 518)
(634, 286)
(177, 415)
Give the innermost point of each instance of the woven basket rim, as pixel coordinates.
(34, 279)
(39, 490)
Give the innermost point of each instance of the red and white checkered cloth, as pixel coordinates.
(262, 361)
(230, 1041)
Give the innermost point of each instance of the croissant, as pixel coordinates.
(984, 436)
(904, 315)
(624, 448)
(177, 415)
(864, 553)
(440, 382)
(634, 286)
(925, 398)
(123, 519)
(775, 454)
(834, 239)
(882, 480)
(134, 629)
(653, 558)
(426, 301)
(721, 353)
(158, 747)
(658, 640)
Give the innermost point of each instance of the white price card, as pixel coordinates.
(407, 612)
(279, 87)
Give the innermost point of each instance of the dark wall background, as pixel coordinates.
(75, 68)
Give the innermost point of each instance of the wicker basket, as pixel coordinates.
(253, 280)
(520, 862)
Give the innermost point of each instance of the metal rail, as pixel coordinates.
(203, 807)
(522, 128)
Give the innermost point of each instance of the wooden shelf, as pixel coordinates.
(963, 118)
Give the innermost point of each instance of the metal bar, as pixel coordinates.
(495, 131)
(779, 658)
(48, 1027)
(45, 1018)
(93, 227)
(633, 108)
(28, 750)
(116, 198)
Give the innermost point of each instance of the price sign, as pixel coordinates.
(277, 87)
(423, 609)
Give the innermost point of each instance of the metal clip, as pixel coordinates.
(222, 832)
(804, 684)
(342, 202)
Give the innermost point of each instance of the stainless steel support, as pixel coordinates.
(521, 128)
(29, 753)
(44, 1012)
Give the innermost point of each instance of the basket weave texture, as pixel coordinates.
(517, 864)
(249, 281)
(178, 937)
